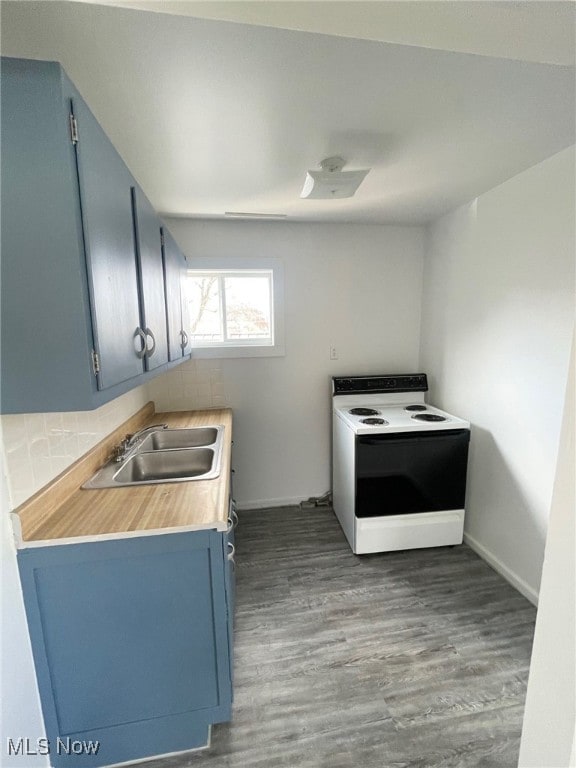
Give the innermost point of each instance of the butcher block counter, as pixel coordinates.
(63, 512)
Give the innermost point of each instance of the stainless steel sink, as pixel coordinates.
(170, 439)
(163, 466)
(166, 456)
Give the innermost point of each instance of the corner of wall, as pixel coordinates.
(21, 715)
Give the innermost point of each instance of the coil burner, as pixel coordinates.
(428, 417)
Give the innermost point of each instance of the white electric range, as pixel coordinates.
(399, 464)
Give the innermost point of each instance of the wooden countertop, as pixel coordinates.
(63, 513)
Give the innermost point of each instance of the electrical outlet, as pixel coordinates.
(333, 352)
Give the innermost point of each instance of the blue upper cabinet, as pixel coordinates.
(174, 267)
(83, 315)
(106, 197)
(45, 324)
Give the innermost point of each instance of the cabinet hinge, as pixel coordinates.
(73, 129)
(95, 363)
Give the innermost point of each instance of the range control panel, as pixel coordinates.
(360, 385)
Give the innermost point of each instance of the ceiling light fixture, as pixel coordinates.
(332, 182)
(246, 215)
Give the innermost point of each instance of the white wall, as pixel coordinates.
(497, 318)
(20, 702)
(550, 714)
(356, 286)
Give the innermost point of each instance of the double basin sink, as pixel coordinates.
(165, 456)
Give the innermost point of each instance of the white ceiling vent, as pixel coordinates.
(332, 182)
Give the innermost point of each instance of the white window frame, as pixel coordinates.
(246, 347)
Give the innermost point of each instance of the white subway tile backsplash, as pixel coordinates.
(35, 426)
(59, 464)
(218, 390)
(14, 430)
(39, 446)
(42, 472)
(20, 462)
(204, 392)
(54, 423)
(181, 404)
(176, 388)
(194, 384)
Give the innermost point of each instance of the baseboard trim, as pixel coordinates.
(289, 501)
(511, 577)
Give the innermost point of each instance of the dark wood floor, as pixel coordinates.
(414, 659)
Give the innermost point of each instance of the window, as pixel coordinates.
(234, 312)
(230, 308)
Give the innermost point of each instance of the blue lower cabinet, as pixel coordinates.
(132, 645)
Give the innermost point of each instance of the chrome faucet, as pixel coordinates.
(122, 451)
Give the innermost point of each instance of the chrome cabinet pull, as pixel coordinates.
(230, 525)
(231, 554)
(184, 343)
(235, 518)
(150, 351)
(139, 334)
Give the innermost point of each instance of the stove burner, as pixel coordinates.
(374, 421)
(415, 408)
(429, 417)
(364, 412)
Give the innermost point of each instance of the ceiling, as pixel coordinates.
(214, 116)
(532, 31)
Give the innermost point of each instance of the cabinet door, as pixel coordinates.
(151, 280)
(46, 329)
(129, 641)
(105, 192)
(174, 267)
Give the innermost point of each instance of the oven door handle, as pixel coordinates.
(413, 437)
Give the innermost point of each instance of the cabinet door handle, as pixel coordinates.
(230, 525)
(232, 552)
(235, 518)
(184, 341)
(139, 334)
(150, 350)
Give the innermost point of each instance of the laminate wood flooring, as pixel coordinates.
(414, 659)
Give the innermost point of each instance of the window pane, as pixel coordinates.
(248, 311)
(204, 307)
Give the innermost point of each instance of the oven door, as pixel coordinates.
(410, 472)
